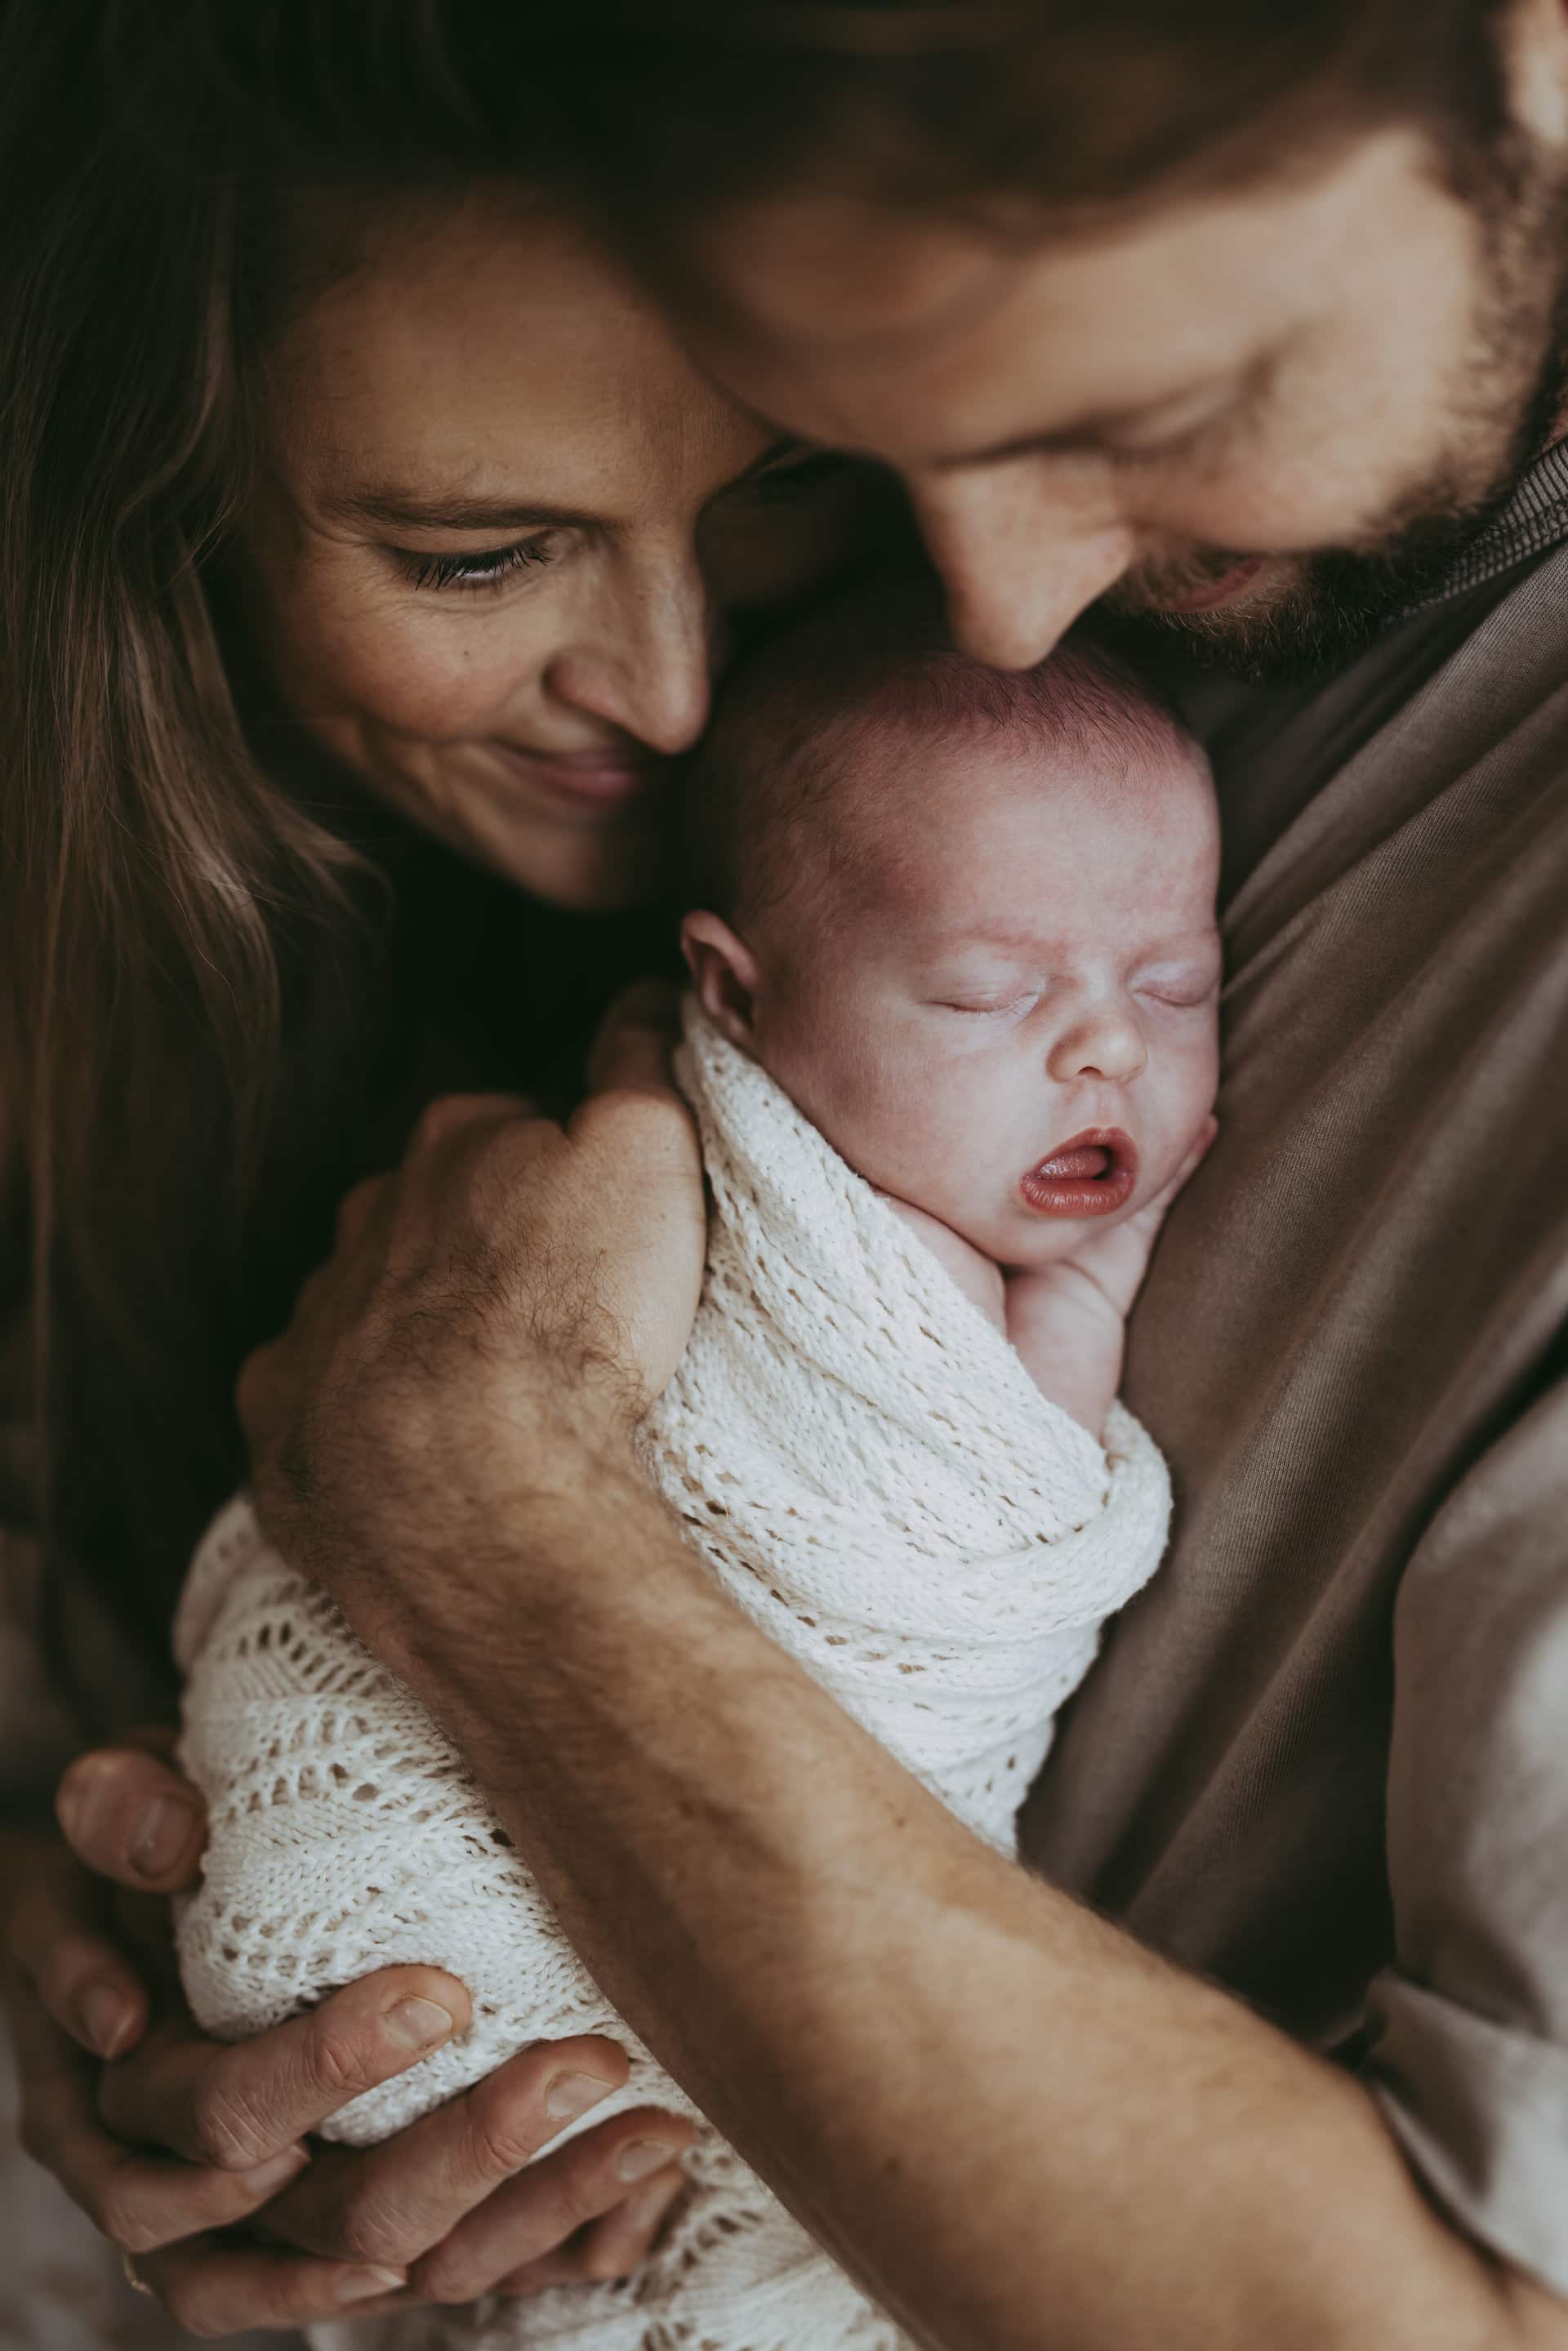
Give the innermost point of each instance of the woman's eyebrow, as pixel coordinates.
(400, 509)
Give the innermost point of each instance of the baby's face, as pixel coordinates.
(1000, 1004)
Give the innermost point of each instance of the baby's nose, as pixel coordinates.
(1106, 1044)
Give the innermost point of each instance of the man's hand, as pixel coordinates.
(496, 1317)
(177, 2139)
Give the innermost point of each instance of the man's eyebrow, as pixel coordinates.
(403, 509)
(1086, 430)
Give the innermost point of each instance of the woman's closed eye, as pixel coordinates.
(485, 567)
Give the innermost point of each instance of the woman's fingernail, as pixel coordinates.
(269, 2176)
(107, 2017)
(644, 2155)
(358, 2286)
(417, 2025)
(165, 1833)
(571, 2094)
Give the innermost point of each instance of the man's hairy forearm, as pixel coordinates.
(1014, 2124)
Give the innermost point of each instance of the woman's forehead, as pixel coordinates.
(476, 350)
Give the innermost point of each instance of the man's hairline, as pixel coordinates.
(698, 298)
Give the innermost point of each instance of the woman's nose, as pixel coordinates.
(1106, 1044)
(646, 668)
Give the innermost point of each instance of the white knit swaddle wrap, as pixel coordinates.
(869, 1470)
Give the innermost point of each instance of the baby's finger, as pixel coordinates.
(130, 1816)
(547, 2205)
(392, 2203)
(81, 1980)
(212, 2288)
(636, 1038)
(235, 2107)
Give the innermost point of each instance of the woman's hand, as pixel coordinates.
(175, 2139)
(496, 1317)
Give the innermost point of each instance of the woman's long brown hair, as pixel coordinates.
(189, 953)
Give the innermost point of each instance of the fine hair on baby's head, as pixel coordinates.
(785, 791)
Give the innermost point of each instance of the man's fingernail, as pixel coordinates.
(571, 2094)
(417, 2025)
(644, 2155)
(358, 2286)
(107, 2017)
(165, 1833)
(277, 2171)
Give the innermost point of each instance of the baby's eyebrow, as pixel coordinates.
(1022, 943)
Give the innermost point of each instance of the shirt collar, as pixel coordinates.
(1534, 520)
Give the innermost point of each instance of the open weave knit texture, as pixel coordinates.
(870, 1474)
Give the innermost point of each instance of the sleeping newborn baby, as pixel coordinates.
(951, 1047)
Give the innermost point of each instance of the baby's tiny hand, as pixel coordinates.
(1068, 1320)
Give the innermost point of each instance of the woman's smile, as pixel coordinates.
(590, 783)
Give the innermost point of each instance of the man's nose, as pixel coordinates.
(1020, 563)
(1105, 1043)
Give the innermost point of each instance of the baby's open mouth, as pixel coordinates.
(1091, 1175)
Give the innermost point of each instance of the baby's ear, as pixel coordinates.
(724, 973)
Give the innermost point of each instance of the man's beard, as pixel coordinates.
(1339, 599)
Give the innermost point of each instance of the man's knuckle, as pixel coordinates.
(335, 2060)
(228, 2134)
(450, 2277)
(502, 2146)
(189, 2303)
(374, 2232)
(117, 2214)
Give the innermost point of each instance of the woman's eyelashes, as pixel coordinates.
(487, 567)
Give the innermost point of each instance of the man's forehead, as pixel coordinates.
(825, 294)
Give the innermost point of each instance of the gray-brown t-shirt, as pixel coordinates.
(1324, 1757)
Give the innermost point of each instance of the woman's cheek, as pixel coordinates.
(434, 677)
(385, 654)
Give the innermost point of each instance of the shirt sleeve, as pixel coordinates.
(1468, 2033)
